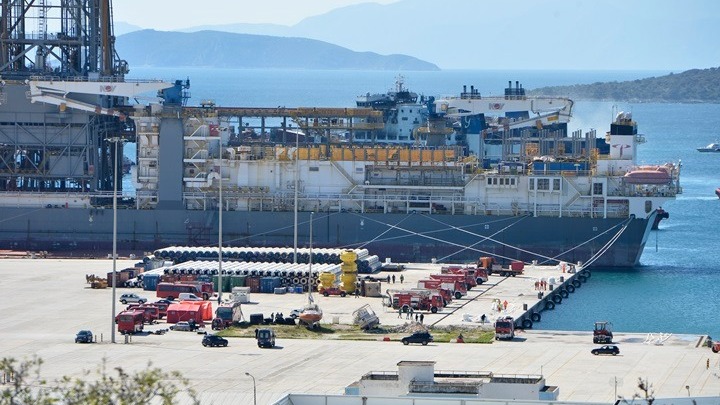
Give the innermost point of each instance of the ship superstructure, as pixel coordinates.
(512, 185)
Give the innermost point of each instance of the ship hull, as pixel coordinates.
(401, 237)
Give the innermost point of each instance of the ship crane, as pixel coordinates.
(58, 92)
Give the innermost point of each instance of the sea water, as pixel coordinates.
(676, 288)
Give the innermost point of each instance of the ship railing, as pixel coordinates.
(104, 79)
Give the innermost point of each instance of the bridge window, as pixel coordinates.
(597, 189)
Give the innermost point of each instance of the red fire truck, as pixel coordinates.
(445, 289)
(460, 288)
(418, 300)
(468, 273)
(130, 321)
(505, 328)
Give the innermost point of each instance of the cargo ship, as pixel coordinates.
(519, 188)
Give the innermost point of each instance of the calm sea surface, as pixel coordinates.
(675, 290)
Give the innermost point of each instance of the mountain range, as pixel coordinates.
(672, 35)
(228, 50)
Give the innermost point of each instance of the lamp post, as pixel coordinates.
(114, 247)
(220, 223)
(295, 230)
(254, 388)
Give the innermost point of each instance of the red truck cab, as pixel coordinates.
(460, 288)
(505, 328)
(130, 322)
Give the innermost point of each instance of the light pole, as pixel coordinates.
(687, 387)
(220, 221)
(114, 248)
(254, 388)
(295, 230)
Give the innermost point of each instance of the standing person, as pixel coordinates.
(400, 313)
(416, 319)
(393, 278)
(402, 278)
(422, 318)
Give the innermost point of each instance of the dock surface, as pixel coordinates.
(47, 301)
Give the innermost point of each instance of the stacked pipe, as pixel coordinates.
(180, 254)
(291, 275)
(369, 264)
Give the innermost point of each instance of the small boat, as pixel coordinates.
(713, 147)
(311, 314)
(648, 175)
(717, 192)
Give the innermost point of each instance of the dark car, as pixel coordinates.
(265, 338)
(214, 340)
(84, 336)
(418, 337)
(606, 350)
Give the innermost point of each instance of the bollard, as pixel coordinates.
(101, 338)
(551, 287)
(524, 307)
(562, 279)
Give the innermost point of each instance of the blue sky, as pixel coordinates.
(165, 15)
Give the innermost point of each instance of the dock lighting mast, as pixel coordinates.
(295, 231)
(114, 246)
(220, 223)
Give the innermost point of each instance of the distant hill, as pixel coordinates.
(692, 86)
(227, 50)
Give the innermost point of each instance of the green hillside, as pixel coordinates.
(692, 86)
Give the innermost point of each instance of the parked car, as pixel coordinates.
(265, 338)
(418, 337)
(182, 326)
(125, 298)
(606, 350)
(333, 291)
(214, 340)
(84, 336)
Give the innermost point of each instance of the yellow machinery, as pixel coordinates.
(348, 277)
(349, 271)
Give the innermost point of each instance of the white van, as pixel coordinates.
(189, 297)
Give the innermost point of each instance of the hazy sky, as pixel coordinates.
(166, 15)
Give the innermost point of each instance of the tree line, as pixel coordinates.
(692, 86)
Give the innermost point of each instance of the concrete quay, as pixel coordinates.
(47, 301)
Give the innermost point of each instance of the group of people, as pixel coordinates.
(402, 278)
(541, 285)
(409, 315)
